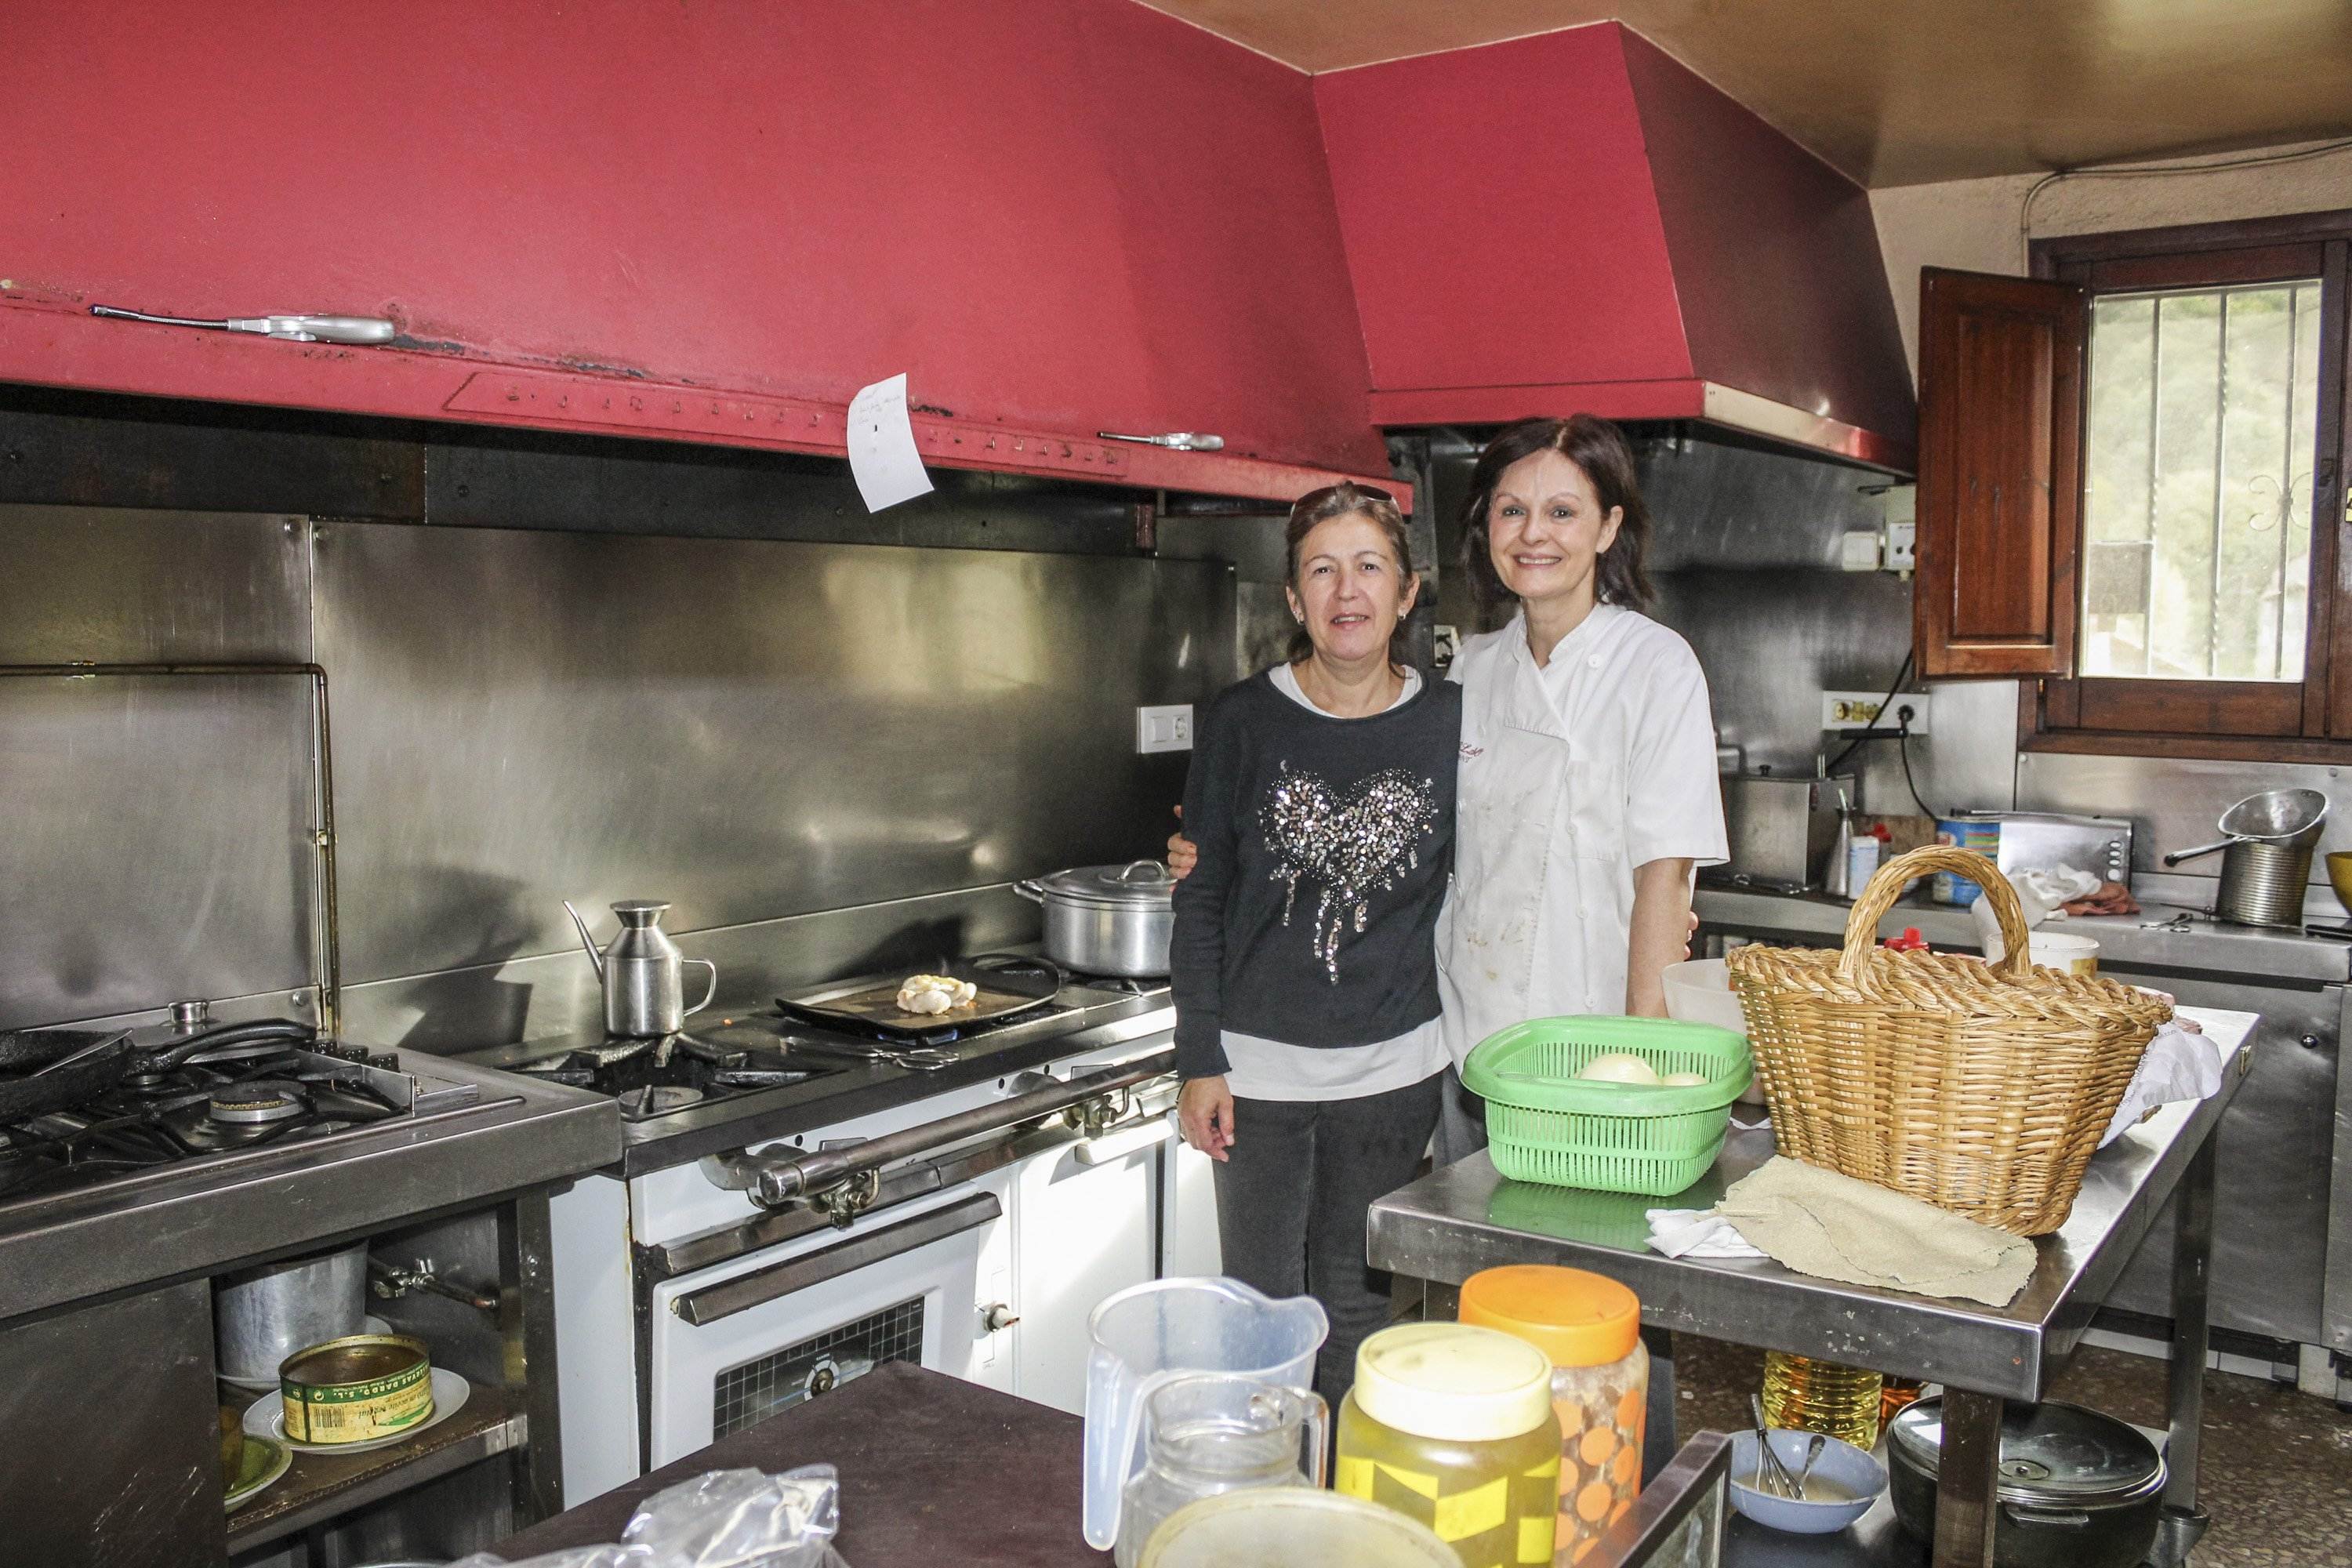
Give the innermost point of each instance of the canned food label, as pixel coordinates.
(356, 1412)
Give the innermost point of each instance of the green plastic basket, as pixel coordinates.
(1544, 1125)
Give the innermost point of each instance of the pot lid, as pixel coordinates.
(2048, 1452)
(1139, 884)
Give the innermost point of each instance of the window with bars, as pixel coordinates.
(2203, 568)
(2197, 468)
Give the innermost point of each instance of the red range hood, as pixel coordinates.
(1577, 221)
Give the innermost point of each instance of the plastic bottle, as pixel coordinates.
(1808, 1396)
(1452, 1425)
(1590, 1327)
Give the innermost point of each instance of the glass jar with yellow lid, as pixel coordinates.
(1590, 1327)
(1452, 1425)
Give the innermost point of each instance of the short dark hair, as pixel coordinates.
(1598, 447)
(1343, 500)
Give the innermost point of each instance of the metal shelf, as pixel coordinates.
(321, 1486)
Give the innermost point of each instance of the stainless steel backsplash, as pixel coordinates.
(755, 730)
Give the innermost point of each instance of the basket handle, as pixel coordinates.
(1898, 874)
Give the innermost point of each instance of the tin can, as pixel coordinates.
(1981, 835)
(356, 1389)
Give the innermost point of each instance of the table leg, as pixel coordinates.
(1658, 1422)
(1967, 1480)
(2183, 1522)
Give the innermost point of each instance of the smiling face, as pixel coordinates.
(1546, 529)
(1350, 590)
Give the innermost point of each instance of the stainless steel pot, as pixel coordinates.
(1108, 919)
(2078, 1490)
(264, 1315)
(2266, 860)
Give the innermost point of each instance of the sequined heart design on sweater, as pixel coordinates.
(1351, 844)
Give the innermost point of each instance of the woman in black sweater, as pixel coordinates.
(1321, 796)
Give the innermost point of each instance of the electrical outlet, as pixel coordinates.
(1902, 547)
(1860, 710)
(1166, 729)
(1858, 551)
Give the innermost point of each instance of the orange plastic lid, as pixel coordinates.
(1578, 1318)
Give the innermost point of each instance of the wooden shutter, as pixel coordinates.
(2000, 486)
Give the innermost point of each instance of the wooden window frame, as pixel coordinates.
(2310, 721)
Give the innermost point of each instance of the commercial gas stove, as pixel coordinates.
(765, 1072)
(802, 1197)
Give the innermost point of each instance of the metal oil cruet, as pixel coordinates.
(643, 971)
(1207, 1433)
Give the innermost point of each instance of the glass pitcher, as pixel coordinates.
(1150, 1334)
(1208, 1433)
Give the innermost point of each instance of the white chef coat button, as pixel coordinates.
(1592, 661)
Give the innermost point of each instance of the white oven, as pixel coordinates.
(732, 1345)
(684, 1303)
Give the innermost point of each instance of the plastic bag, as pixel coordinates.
(721, 1518)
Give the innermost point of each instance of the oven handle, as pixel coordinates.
(776, 1179)
(761, 1286)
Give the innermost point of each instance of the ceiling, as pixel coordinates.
(1899, 92)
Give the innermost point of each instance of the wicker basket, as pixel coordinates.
(1980, 1089)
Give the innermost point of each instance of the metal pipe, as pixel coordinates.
(326, 975)
(776, 1179)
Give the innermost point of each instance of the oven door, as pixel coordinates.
(735, 1344)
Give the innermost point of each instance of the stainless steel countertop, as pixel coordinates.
(1455, 1222)
(203, 1217)
(2205, 947)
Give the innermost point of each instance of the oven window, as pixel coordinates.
(748, 1394)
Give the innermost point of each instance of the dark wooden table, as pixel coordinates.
(933, 1470)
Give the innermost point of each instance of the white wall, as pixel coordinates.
(1974, 223)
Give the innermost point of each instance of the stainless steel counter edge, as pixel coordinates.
(178, 1223)
(1438, 1229)
(2242, 952)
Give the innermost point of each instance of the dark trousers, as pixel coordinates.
(1292, 1196)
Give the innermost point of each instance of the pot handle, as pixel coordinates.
(2176, 857)
(1030, 889)
(2060, 1517)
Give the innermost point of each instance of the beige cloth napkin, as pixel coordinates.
(1818, 1222)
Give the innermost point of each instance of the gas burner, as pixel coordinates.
(654, 1100)
(256, 1104)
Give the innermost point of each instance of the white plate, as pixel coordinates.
(282, 1459)
(267, 1418)
(367, 1326)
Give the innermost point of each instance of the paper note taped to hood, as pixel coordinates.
(882, 453)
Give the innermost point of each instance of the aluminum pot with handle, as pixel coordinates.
(643, 971)
(1108, 919)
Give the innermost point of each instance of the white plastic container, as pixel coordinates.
(1699, 991)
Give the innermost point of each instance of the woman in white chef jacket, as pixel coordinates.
(1587, 787)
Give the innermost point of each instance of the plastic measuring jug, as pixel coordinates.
(1148, 1334)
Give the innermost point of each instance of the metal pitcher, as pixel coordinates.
(643, 971)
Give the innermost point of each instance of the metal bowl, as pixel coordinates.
(2290, 817)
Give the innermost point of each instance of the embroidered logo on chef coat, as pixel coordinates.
(1352, 844)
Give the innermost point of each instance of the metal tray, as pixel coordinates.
(872, 1006)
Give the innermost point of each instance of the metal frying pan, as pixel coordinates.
(2290, 818)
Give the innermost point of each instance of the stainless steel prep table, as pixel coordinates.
(1455, 1222)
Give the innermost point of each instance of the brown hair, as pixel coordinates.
(1600, 450)
(1342, 500)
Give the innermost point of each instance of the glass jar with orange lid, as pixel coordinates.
(1452, 1425)
(1590, 1327)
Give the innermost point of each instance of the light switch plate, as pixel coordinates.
(1168, 729)
(1858, 551)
